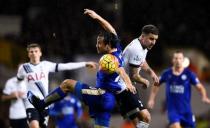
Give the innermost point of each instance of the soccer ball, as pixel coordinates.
(108, 63)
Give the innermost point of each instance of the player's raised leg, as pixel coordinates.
(57, 94)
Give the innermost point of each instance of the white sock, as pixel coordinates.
(142, 124)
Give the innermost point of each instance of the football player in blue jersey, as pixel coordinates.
(178, 81)
(101, 99)
(66, 112)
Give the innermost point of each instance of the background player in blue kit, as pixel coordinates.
(100, 99)
(178, 80)
(66, 112)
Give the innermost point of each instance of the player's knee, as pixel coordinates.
(146, 117)
(68, 85)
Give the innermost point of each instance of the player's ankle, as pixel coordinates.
(142, 124)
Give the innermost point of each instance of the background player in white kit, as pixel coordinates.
(15, 91)
(36, 74)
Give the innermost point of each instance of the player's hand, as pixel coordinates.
(21, 94)
(206, 100)
(146, 84)
(131, 88)
(91, 13)
(155, 78)
(91, 64)
(151, 104)
(15, 95)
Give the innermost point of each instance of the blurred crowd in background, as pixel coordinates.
(64, 32)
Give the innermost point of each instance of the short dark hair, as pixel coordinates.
(147, 29)
(110, 38)
(33, 45)
(179, 51)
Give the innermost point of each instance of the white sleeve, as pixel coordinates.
(21, 73)
(70, 66)
(134, 57)
(51, 66)
(8, 87)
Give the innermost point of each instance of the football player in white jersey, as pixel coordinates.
(36, 74)
(134, 55)
(135, 59)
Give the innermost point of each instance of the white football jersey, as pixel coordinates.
(17, 108)
(36, 77)
(134, 54)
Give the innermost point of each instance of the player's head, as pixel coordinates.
(149, 36)
(34, 52)
(106, 41)
(178, 58)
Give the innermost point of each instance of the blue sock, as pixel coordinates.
(55, 95)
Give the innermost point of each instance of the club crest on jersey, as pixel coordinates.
(137, 58)
(36, 76)
(184, 77)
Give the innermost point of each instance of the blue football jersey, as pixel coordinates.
(65, 110)
(111, 82)
(178, 89)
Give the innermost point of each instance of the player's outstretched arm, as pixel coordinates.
(91, 64)
(104, 23)
(152, 74)
(12, 96)
(76, 65)
(203, 93)
(136, 77)
(153, 93)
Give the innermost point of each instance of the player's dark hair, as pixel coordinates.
(147, 29)
(179, 51)
(33, 45)
(110, 39)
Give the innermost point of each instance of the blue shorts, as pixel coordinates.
(186, 120)
(100, 102)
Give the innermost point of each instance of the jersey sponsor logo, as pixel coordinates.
(67, 110)
(177, 89)
(36, 76)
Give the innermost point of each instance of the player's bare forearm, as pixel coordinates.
(201, 90)
(203, 93)
(127, 80)
(8, 97)
(147, 68)
(137, 78)
(153, 93)
(104, 23)
(152, 74)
